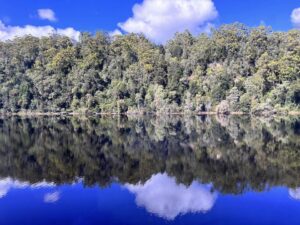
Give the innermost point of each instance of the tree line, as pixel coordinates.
(233, 69)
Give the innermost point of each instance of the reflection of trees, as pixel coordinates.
(233, 154)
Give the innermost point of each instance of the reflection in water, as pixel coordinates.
(163, 161)
(295, 193)
(161, 195)
(245, 154)
(8, 183)
(52, 197)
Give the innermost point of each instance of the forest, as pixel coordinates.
(233, 69)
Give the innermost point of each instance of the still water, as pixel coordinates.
(140, 170)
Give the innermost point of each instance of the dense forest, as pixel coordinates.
(232, 154)
(233, 69)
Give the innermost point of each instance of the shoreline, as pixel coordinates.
(292, 113)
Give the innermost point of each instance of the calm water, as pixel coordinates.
(137, 170)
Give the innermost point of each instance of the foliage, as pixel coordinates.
(248, 67)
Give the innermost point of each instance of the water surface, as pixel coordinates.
(149, 170)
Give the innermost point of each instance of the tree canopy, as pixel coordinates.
(246, 69)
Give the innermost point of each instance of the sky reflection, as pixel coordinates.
(162, 196)
(295, 193)
(52, 197)
(8, 183)
(159, 200)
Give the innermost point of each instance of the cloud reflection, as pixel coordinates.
(52, 197)
(8, 183)
(162, 196)
(295, 193)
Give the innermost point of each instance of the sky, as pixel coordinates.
(157, 19)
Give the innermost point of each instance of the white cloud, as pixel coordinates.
(161, 195)
(114, 33)
(295, 17)
(52, 197)
(160, 19)
(47, 14)
(11, 32)
(7, 183)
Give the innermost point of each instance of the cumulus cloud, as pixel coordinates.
(11, 32)
(7, 184)
(295, 17)
(114, 33)
(162, 196)
(47, 14)
(160, 19)
(52, 197)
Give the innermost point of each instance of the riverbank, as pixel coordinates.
(27, 113)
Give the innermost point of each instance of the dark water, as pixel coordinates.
(136, 170)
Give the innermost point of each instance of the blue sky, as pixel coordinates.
(92, 15)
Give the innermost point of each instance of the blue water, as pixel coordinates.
(132, 204)
(156, 170)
